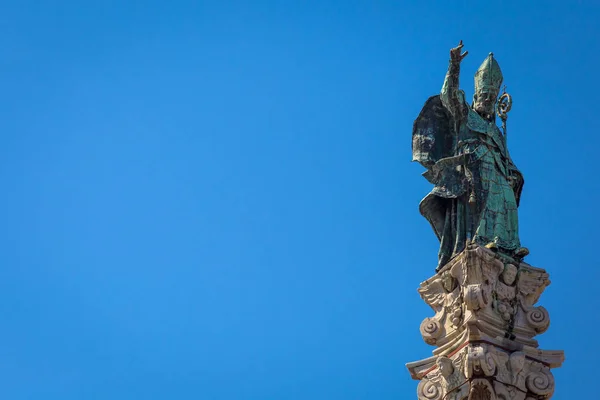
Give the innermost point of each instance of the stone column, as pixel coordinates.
(484, 329)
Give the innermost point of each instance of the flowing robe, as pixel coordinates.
(467, 159)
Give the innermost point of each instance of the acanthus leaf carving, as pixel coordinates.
(485, 320)
(481, 389)
(443, 295)
(531, 284)
(476, 297)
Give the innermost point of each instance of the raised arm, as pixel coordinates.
(450, 95)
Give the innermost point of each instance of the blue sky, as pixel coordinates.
(215, 200)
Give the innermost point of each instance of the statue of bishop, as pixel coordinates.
(477, 187)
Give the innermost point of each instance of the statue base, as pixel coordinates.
(484, 331)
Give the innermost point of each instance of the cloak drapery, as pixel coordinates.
(466, 157)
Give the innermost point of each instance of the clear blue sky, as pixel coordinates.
(215, 200)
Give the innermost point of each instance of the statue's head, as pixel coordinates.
(509, 274)
(448, 281)
(445, 366)
(488, 79)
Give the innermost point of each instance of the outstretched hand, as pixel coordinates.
(455, 53)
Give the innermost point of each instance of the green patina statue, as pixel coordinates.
(477, 186)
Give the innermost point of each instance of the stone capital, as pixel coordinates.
(483, 328)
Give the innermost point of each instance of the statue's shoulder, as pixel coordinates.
(433, 115)
(432, 133)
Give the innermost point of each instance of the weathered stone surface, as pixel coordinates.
(484, 326)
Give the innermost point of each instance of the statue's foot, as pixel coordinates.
(492, 246)
(522, 252)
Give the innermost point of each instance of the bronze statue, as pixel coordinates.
(477, 187)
